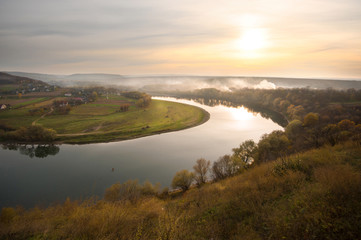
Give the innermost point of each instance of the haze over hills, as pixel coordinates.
(158, 83)
(13, 79)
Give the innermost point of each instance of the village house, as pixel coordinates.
(76, 101)
(4, 106)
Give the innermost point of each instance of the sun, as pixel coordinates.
(252, 41)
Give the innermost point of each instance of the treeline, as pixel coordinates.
(143, 99)
(297, 137)
(34, 133)
(306, 130)
(331, 105)
(316, 117)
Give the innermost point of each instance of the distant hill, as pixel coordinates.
(159, 83)
(6, 79)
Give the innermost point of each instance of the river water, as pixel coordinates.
(80, 171)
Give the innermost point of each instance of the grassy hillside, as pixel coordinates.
(101, 120)
(313, 195)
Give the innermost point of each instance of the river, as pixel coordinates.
(80, 171)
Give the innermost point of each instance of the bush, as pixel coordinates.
(224, 167)
(131, 191)
(32, 134)
(7, 214)
(183, 180)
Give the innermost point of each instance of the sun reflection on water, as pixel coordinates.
(240, 114)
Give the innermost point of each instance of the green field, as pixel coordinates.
(32, 101)
(101, 121)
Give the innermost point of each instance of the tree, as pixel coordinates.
(311, 120)
(124, 107)
(94, 95)
(201, 169)
(149, 189)
(112, 193)
(346, 125)
(293, 129)
(271, 146)
(295, 112)
(331, 134)
(224, 167)
(33, 133)
(245, 151)
(183, 179)
(128, 191)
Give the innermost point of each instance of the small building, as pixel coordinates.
(4, 106)
(67, 94)
(76, 101)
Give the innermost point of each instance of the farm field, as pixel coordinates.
(101, 120)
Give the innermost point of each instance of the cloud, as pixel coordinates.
(187, 37)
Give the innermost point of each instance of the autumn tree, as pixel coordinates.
(346, 125)
(293, 129)
(311, 120)
(224, 167)
(201, 169)
(183, 180)
(94, 96)
(331, 134)
(271, 146)
(124, 107)
(245, 151)
(33, 133)
(148, 189)
(128, 191)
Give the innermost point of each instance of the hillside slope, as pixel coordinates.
(6, 78)
(313, 195)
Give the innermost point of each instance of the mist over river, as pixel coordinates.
(81, 171)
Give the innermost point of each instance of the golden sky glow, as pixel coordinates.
(292, 38)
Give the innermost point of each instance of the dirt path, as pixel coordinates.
(94, 131)
(80, 134)
(77, 134)
(98, 127)
(34, 123)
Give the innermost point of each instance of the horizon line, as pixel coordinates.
(188, 75)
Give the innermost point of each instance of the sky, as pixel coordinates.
(279, 38)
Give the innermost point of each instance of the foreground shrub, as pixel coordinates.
(183, 180)
(131, 191)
